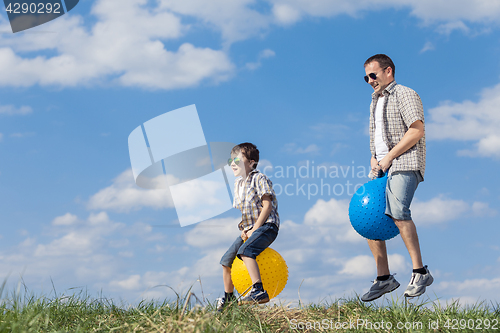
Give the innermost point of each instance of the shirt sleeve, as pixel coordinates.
(411, 107)
(264, 186)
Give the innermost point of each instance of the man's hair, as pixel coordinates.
(384, 62)
(249, 150)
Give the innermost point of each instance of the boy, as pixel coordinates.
(255, 197)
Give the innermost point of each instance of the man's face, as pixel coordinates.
(384, 76)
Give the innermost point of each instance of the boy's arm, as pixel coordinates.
(267, 206)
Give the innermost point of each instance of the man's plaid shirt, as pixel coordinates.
(256, 185)
(402, 108)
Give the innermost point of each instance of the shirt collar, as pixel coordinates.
(387, 91)
(248, 176)
(253, 171)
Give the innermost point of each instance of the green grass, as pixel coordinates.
(81, 313)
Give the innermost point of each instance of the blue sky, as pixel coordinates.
(285, 75)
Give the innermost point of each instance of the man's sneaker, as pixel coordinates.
(379, 288)
(418, 283)
(223, 302)
(255, 296)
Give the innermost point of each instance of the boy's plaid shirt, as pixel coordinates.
(402, 108)
(256, 185)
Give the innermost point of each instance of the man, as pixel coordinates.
(397, 145)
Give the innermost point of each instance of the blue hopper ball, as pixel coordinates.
(367, 211)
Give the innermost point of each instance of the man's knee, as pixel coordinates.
(403, 223)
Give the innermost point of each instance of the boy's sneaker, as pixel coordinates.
(418, 283)
(379, 288)
(255, 296)
(223, 302)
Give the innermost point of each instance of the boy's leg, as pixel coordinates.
(228, 282)
(252, 268)
(226, 262)
(258, 242)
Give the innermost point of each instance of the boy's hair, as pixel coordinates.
(384, 62)
(249, 150)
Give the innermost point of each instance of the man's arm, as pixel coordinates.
(411, 137)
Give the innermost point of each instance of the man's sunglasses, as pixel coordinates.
(236, 161)
(373, 76)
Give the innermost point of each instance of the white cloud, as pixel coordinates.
(294, 149)
(286, 14)
(398, 263)
(189, 195)
(124, 46)
(488, 146)
(90, 253)
(441, 209)
(333, 132)
(469, 121)
(22, 135)
(443, 10)
(267, 53)
(429, 11)
(438, 210)
(265, 166)
(124, 195)
(216, 232)
(66, 219)
(483, 209)
(211, 239)
(331, 219)
(449, 27)
(429, 46)
(363, 266)
(12, 110)
(235, 19)
(471, 290)
(158, 284)
(133, 282)
(79, 241)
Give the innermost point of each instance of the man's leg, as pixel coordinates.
(421, 277)
(384, 283)
(408, 232)
(379, 252)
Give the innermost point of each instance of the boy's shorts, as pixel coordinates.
(258, 242)
(401, 186)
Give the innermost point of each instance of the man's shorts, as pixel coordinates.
(258, 242)
(401, 186)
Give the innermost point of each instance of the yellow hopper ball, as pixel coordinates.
(273, 272)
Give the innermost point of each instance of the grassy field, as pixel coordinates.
(81, 313)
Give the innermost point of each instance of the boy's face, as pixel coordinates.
(240, 165)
